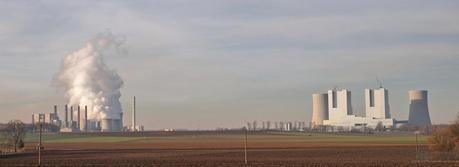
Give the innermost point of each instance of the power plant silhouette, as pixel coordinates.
(335, 109)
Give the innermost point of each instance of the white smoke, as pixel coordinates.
(87, 80)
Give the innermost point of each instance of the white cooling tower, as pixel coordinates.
(92, 125)
(116, 125)
(111, 125)
(419, 110)
(319, 109)
(106, 125)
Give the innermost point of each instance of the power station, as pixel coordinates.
(81, 123)
(76, 119)
(335, 109)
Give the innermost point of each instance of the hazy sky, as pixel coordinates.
(207, 64)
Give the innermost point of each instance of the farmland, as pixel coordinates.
(223, 149)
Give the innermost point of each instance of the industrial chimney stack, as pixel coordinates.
(133, 116)
(71, 117)
(78, 118)
(85, 118)
(66, 116)
(55, 110)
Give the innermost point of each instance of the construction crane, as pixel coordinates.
(379, 82)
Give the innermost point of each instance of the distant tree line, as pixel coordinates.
(445, 139)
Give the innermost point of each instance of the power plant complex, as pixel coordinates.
(331, 109)
(334, 109)
(76, 120)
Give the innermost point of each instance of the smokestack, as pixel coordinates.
(66, 117)
(120, 123)
(133, 115)
(33, 121)
(78, 120)
(71, 117)
(85, 118)
(55, 110)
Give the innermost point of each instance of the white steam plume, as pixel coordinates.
(87, 80)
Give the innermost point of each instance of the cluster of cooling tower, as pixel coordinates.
(83, 124)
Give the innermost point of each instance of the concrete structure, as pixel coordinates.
(319, 109)
(419, 109)
(377, 103)
(340, 112)
(339, 104)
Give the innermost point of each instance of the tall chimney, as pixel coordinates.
(33, 122)
(55, 110)
(133, 116)
(85, 118)
(66, 117)
(71, 117)
(55, 117)
(78, 120)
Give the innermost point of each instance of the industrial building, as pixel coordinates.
(76, 120)
(335, 109)
(51, 118)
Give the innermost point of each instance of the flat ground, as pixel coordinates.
(223, 149)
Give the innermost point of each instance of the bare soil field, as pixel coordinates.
(221, 151)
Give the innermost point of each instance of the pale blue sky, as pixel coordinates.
(207, 64)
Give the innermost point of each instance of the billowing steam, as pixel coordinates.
(87, 80)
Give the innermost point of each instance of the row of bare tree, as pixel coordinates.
(13, 134)
(445, 139)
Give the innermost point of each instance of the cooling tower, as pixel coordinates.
(319, 109)
(117, 125)
(419, 110)
(110, 125)
(106, 125)
(92, 125)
